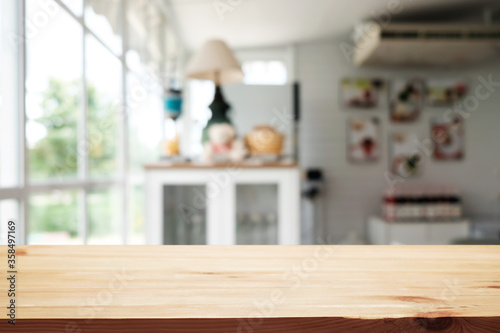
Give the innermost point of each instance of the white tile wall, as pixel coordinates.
(354, 191)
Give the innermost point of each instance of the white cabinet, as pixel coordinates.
(381, 232)
(222, 204)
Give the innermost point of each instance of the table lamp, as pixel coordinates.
(216, 62)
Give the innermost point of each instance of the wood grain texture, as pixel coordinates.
(269, 325)
(294, 288)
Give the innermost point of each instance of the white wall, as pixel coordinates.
(354, 191)
(253, 105)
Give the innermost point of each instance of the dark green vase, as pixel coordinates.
(220, 110)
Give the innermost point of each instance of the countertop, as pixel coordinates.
(255, 288)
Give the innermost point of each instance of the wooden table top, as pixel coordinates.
(262, 287)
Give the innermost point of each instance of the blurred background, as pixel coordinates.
(250, 122)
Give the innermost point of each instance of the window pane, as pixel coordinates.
(105, 223)
(104, 18)
(146, 26)
(201, 95)
(137, 235)
(54, 95)
(265, 72)
(9, 110)
(145, 110)
(172, 58)
(76, 6)
(53, 218)
(9, 210)
(104, 74)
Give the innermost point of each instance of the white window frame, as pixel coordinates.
(84, 184)
(286, 54)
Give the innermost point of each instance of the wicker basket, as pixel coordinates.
(264, 140)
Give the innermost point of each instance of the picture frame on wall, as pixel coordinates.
(363, 139)
(406, 100)
(444, 93)
(363, 93)
(448, 137)
(405, 159)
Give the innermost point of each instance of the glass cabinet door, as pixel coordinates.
(184, 215)
(257, 214)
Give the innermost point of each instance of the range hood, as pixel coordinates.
(424, 45)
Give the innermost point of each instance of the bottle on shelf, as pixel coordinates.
(416, 203)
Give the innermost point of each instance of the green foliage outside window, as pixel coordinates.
(56, 155)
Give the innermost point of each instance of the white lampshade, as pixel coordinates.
(216, 62)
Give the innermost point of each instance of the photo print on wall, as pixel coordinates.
(363, 93)
(405, 159)
(444, 93)
(406, 100)
(363, 139)
(448, 138)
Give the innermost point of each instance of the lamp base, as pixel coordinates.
(219, 108)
